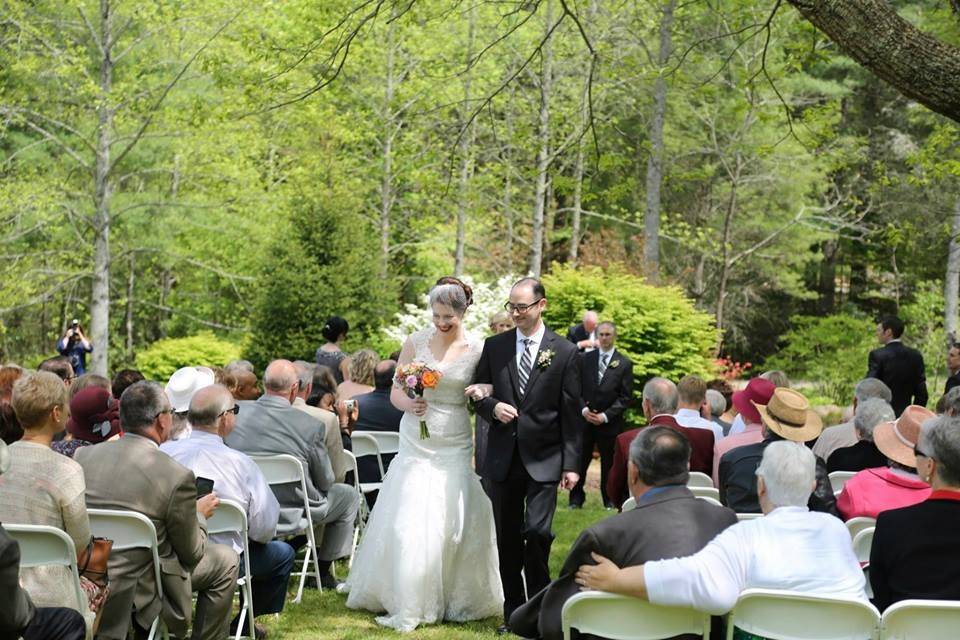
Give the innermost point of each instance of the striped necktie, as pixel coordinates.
(603, 366)
(526, 363)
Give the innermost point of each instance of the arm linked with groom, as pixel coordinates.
(534, 440)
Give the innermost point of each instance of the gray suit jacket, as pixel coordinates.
(672, 523)
(132, 474)
(270, 425)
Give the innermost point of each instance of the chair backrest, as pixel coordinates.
(699, 479)
(705, 492)
(788, 615)
(128, 530)
(862, 543)
(710, 500)
(41, 546)
(364, 444)
(838, 479)
(623, 618)
(387, 441)
(858, 524)
(748, 516)
(280, 468)
(629, 504)
(229, 517)
(921, 620)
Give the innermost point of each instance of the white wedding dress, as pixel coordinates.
(429, 552)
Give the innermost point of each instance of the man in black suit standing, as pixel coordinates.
(953, 367)
(584, 335)
(534, 440)
(898, 366)
(606, 380)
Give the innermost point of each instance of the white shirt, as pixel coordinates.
(537, 338)
(235, 477)
(693, 420)
(791, 548)
(592, 336)
(737, 426)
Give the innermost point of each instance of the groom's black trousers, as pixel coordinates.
(523, 513)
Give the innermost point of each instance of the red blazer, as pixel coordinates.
(701, 455)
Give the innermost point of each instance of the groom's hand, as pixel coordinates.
(570, 480)
(504, 412)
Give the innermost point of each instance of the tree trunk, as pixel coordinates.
(100, 293)
(543, 153)
(572, 255)
(386, 151)
(725, 263)
(508, 181)
(466, 144)
(131, 280)
(828, 276)
(952, 281)
(651, 244)
(872, 32)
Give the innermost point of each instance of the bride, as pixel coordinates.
(429, 552)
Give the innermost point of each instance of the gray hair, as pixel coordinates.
(718, 404)
(940, 439)
(608, 323)
(239, 365)
(661, 456)
(872, 388)
(869, 414)
(208, 404)
(140, 405)
(951, 402)
(661, 394)
(450, 295)
(789, 472)
(279, 376)
(778, 378)
(304, 372)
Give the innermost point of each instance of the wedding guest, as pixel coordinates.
(845, 435)
(717, 405)
(789, 548)
(951, 402)
(360, 369)
(123, 379)
(667, 522)
(19, 618)
(584, 335)
(864, 454)
(914, 548)
(323, 395)
(239, 365)
(244, 385)
(757, 392)
(59, 366)
(86, 381)
(898, 366)
(377, 413)
(329, 354)
(953, 367)
(132, 474)
(778, 378)
(691, 400)
(786, 417)
(499, 322)
(94, 418)
(331, 423)
(46, 488)
(725, 417)
(10, 429)
(9, 374)
(213, 415)
(185, 382)
(271, 425)
(896, 485)
(75, 346)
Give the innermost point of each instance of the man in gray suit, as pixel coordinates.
(132, 474)
(272, 425)
(667, 522)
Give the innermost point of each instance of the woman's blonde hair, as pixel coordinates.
(35, 396)
(361, 367)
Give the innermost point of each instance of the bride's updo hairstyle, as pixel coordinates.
(452, 292)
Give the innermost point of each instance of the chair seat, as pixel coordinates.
(368, 487)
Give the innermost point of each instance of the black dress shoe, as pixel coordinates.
(503, 630)
(327, 581)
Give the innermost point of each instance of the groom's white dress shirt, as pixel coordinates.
(790, 548)
(537, 338)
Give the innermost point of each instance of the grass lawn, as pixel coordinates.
(326, 617)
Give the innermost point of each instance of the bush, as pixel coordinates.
(163, 357)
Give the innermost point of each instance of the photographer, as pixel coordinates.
(75, 346)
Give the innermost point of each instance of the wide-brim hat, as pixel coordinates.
(757, 391)
(94, 415)
(184, 383)
(896, 439)
(788, 415)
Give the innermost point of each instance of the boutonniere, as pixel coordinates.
(544, 358)
(614, 364)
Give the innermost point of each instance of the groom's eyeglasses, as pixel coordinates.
(520, 308)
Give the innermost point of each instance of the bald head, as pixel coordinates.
(590, 320)
(207, 405)
(279, 378)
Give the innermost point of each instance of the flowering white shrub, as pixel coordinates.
(488, 298)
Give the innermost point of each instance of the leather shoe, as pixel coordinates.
(327, 581)
(503, 630)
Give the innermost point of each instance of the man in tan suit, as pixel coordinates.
(331, 423)
(132, 474)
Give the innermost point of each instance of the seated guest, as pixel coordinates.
(271, 425)
(667, 522)
(377, 413)
(788, 548)
(19, 618)
(659, 403)
(86, 381)
(499, 322)
(10, 429)
(361, 367)
(185, 382)
(864, 454)
(717, 405)
(43, 487)
(914, 548)
(245, 385)
(123, 379)
(951, 402)
(757, 392)
(331, 423)
(844, 435)
(774, 377)
(94, 418)
(323, 395)
(132, 474)
(691, 401)
(60, 367)
(786, 417)
(723, 418)
(213, 415)
(896, 485)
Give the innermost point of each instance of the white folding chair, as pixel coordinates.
(858, 524)
(699, 479)
(230, 517)
(130, 530)
(705, 492)
(921, 620)
(862, 543)
(838, 479)
(41, 546)
(623, 618)
(788, 615)
(363, 513)
(748, 516)
(365, 444)
(387, 441)
(283, 469)
(710, 500)
(629, 504)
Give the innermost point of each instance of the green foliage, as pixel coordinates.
(163, 357)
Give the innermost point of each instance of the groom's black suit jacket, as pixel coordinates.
(547, 433)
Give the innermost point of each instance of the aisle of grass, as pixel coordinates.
(325, 617)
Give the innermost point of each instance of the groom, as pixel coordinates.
(534, 439)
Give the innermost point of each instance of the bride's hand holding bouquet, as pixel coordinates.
(413, 379)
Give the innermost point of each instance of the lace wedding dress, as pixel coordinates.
(429, 552)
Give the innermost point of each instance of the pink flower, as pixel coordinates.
(411, 381)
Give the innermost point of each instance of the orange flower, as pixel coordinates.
(430, 379)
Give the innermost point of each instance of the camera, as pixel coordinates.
(74, 323)
(348, 405)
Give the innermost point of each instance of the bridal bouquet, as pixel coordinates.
(412, 379)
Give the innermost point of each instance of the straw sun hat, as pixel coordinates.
(789, 416)
(897, 439)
